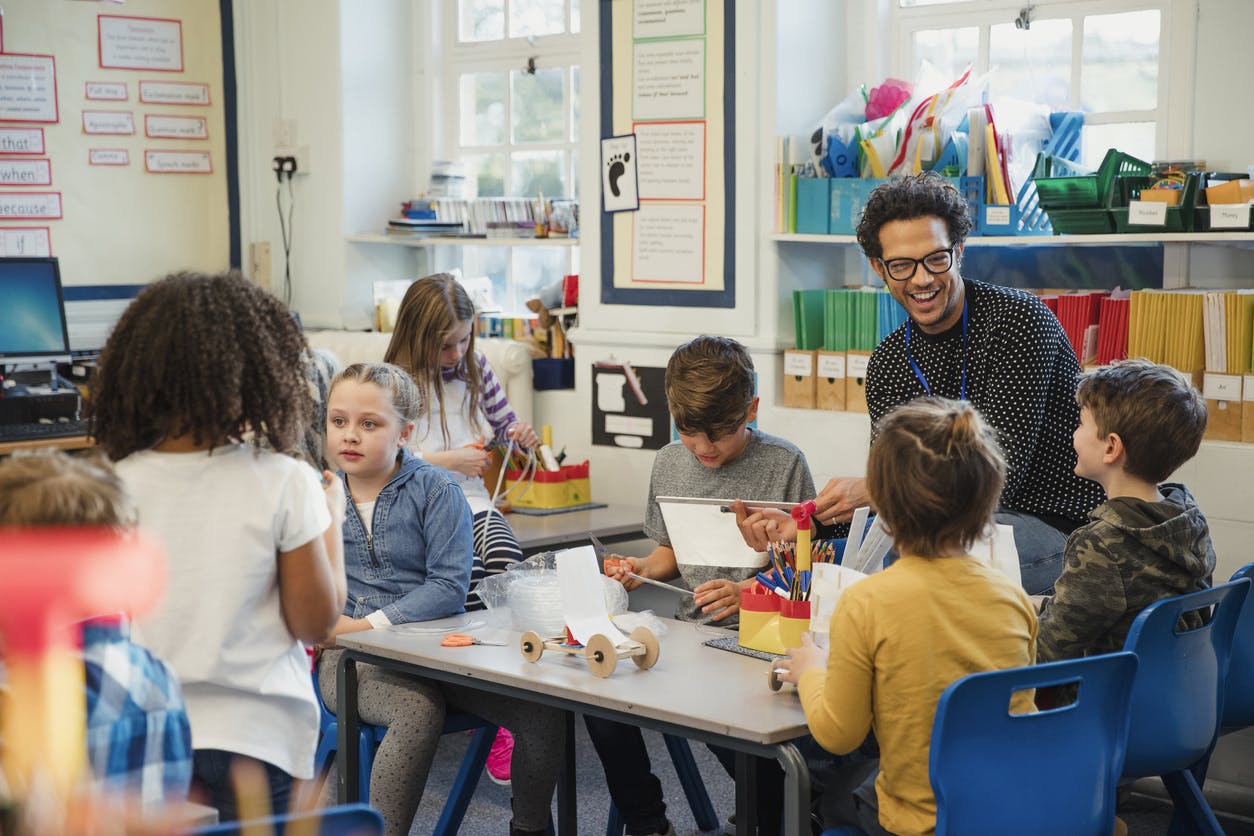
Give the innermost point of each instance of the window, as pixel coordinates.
(512, 103)
(1107, 58)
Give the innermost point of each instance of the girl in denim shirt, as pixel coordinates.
(407, 552)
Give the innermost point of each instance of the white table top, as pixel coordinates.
(693, 686)
(557, 531)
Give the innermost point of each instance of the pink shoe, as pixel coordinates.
(499, 757)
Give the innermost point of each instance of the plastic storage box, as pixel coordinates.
(1078, 202)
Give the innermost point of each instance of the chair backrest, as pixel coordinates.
(346, 820)
(1239, 693)
(1052, 771)
(1177, 700)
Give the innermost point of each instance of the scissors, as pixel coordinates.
(463, 640)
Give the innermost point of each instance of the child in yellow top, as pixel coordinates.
(900, 637)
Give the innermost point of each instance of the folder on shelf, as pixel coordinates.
(807, 311)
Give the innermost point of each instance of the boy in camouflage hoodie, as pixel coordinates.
(1138, 422)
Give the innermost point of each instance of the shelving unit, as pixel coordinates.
(1226, 238)
(453, 241)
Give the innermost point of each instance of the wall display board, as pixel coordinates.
(113, 138)
(669, 93)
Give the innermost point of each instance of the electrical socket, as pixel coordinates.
(300, 154)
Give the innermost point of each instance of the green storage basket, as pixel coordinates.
(1064, 185)
(1179, 218)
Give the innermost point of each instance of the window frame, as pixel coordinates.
(1173, 111)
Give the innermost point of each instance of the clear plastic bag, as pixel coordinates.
(529, 592)
(628, 621)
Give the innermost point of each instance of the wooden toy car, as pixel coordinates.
(641, 647)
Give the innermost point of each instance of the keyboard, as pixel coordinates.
(35, 431)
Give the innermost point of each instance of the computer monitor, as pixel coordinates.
(32, 312)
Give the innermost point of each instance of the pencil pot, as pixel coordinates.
(794, 619)
(578, 483)
(759, 619)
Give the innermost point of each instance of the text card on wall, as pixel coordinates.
(140, 43)
(28, 88)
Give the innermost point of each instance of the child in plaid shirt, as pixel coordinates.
(139, 741)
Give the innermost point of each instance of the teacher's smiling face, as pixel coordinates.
(920, 267)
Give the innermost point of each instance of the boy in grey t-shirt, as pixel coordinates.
(709, 389)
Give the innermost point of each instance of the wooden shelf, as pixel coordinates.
(1227, 238)
(449, 241)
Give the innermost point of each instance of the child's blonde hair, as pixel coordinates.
(48, 487)
(431, 308)
(406, 399)
(935, 475)
(213, 357)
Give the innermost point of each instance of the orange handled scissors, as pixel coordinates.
(463, 640)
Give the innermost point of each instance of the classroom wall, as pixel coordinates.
(121, 224)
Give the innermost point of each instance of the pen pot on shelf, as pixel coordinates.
(794, 619)
(759, 619)
(578, 483)
(548, 489)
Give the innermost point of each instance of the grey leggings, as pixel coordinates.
(413, 710)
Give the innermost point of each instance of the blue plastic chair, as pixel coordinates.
(369, 737)
(689, 778)
(1178, 696)
(1053, 771)
(347, 820)
(1239, 690)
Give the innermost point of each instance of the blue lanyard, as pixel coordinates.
(962, 390)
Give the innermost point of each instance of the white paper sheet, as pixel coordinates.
(1000, 552)
(827, 582)
(705, 535)
(583, 599)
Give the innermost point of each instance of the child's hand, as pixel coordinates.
(838, 499)
(764, 526)
(618, 568)
(469, 460)
(522, 433)
(333, 490)
(721, 597)
(801, 659)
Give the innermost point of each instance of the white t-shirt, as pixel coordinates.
(223, 519)
(428, 437)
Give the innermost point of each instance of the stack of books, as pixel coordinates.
(425, 227)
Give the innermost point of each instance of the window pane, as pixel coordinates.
(487, 173)
(1135, 138)
(1032, 64)
(1120, 62)
(574, 103)
(948, 50)
(481, 20)
(537, 106)
(575, 22)
(482, 108)
(905, 4)
(537, 172)
(534, 268)
(478, 263)
(536, 17)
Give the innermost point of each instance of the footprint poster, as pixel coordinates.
(619, 180)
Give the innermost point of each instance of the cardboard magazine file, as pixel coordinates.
(799, 379)
(1247, 412)
(855, 380)
(1222, 393)
(829, 386)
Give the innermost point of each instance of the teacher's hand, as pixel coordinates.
(838, 499)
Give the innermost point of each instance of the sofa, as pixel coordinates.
(509, 359)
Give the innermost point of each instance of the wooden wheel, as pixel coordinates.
(645, 636)
(601, 655)
(532, 646)
(773, 679)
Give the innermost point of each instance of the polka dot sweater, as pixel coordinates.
(1021, 376)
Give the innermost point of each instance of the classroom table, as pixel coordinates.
(611, 524)
(694, 691)
(73, 442)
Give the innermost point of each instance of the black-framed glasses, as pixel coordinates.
(903, 269)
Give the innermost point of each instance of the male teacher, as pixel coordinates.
(1000, 349)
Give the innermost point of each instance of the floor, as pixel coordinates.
(489, 810)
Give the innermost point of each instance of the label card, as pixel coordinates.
(798, 363)
(28, 88)
(176, 127)
(21, 140)
(106, 91)
(997, 215)
(831, 366)
(1147, 213)
(177, 162)
(173, 92)
(26, 205)
(108, 156)
(1230, 216)
(25, 172)
(856, 365)
(1248, 389)
(121, 122)
(25, 241)
(1221, 387)
(140, 43)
